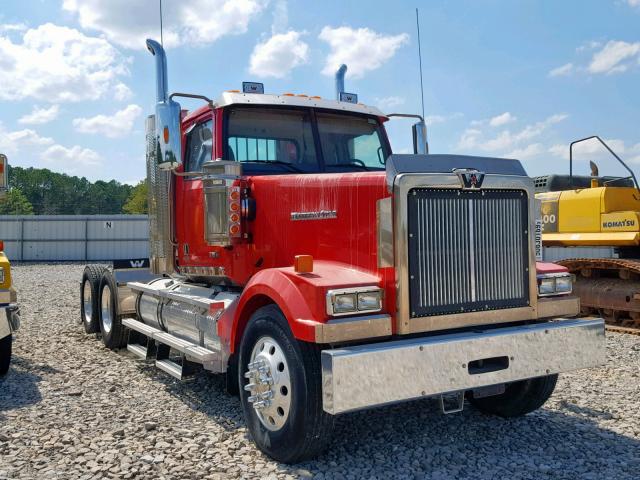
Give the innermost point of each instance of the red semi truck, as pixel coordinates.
(291, 250)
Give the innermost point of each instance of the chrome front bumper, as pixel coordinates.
(364, 376)
(9, 319)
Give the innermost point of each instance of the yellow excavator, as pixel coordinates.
(591, 224)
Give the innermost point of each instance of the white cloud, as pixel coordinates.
(434, 119)
(506, 141)
(117, 125)
(387, 103)
(70, 158)
(122, 92)
(634, 3)
(58, 64)
(129, 22)
(361, 49)
(502, 119)
(278, 55)
(12, 142)
(527, 152)
(38, 116)
(12, 27)
(615, 57)
(562, 71)
(592, 150)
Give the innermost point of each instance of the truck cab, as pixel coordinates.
(9, 318)
(324, 274)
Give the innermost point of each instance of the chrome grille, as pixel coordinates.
(468, 250)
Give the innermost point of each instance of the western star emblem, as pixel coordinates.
(469, 178)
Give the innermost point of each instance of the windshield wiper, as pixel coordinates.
(292, 168)
(363, 167)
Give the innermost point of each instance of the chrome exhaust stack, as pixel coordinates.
(167, 113)
(340, 80)
(163, 155)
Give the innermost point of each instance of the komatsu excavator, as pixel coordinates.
(591, 225)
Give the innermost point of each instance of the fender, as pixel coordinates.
(300, 296)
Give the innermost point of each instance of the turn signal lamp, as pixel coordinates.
(165, 133)
(303, 264)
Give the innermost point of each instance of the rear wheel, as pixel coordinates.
(113, 332)
(89, 308)
(280, 389)
(5, 354)
(519, 398)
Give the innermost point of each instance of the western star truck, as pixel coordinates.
(293, 251)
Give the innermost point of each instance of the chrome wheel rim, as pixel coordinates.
(87, 306)
(269, 383)
(107, 320)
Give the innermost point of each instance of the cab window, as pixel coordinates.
(199, 146)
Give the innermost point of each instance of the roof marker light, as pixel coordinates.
(288, 94)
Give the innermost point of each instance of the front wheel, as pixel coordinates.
(519, 398)
(280, 389)
(5, 354)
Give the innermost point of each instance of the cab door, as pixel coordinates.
(199, 148)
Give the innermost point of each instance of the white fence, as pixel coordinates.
(74, 237)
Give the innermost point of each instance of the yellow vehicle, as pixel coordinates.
(591, 224)
(9, 318)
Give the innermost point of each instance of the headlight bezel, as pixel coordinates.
(551, 281)
(359, 295)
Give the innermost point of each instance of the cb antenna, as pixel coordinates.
(161, 39)
(419, 60)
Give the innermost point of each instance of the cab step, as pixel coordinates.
(150, 343)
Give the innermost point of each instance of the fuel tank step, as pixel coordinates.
(148, 343)
(170, 367)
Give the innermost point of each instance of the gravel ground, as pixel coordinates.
(69, 408)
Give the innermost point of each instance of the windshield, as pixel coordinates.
(277, 140)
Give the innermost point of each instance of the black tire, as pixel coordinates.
(307, 430)
(114, 334)
(90, 317)
(519, 398)
(5, 354)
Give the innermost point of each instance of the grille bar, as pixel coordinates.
(468, 250)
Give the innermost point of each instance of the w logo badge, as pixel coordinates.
(469, 178)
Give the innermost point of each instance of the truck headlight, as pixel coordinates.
(348, 301)
(344, 303)
(555, 284)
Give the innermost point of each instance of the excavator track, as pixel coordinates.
(609, 287)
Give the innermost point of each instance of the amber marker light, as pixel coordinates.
(165, 133)
(303, 264)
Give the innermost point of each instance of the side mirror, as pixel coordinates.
(168, 134)
(420, 144)
(4, 175)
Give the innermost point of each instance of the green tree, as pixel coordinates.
(53, 193)
(15, 203)
(137, 201)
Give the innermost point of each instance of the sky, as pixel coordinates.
(516, 79)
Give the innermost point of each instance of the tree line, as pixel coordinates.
(39, 191)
